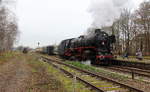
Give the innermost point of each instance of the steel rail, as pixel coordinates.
(96, 75)
(140, 65)
(77, 77)
(136, 69)
(130, 71)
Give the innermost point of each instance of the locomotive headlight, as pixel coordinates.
(103, 43)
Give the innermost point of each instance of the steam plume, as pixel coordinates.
(105, 11)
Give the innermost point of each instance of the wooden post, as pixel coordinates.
(74, 83)
(132, 74)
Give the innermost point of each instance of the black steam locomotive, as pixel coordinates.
(95, 46)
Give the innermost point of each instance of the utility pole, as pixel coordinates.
(38, 44)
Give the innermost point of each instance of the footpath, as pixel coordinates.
(23, 73)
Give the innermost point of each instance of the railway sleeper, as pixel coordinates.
(136, 72)
(129, 90)
(98, 83)
(105, 85)
(102, 84)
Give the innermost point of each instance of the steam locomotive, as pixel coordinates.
(95, 46)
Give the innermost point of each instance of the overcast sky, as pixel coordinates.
(50, 21)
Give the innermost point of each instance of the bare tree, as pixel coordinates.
(8, 28)
(117, 31)
(132, 30)
(143, 21)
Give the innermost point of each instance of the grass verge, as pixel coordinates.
(97, 70)
(114, 75)
(59, 81)
(7, 56)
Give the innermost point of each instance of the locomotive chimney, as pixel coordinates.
(97, 30)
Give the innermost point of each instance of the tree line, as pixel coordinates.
(132, 30)
(8, 28)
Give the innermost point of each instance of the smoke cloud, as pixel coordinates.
(105, 11)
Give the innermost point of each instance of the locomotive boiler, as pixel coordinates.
(95, 46)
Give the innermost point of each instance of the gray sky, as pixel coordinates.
(50, 21)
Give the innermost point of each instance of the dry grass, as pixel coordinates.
(67, 82)
(146, 59)
(7, 56)
(25, 73)
(42, 79)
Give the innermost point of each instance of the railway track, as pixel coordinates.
(95, 81)
(132, 71)
(139, 65)
(124, 69)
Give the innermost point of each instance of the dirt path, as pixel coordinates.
(14, 76)
(25, 73)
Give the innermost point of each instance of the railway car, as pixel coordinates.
(48, 50)
(95, 46)
(25, 50)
